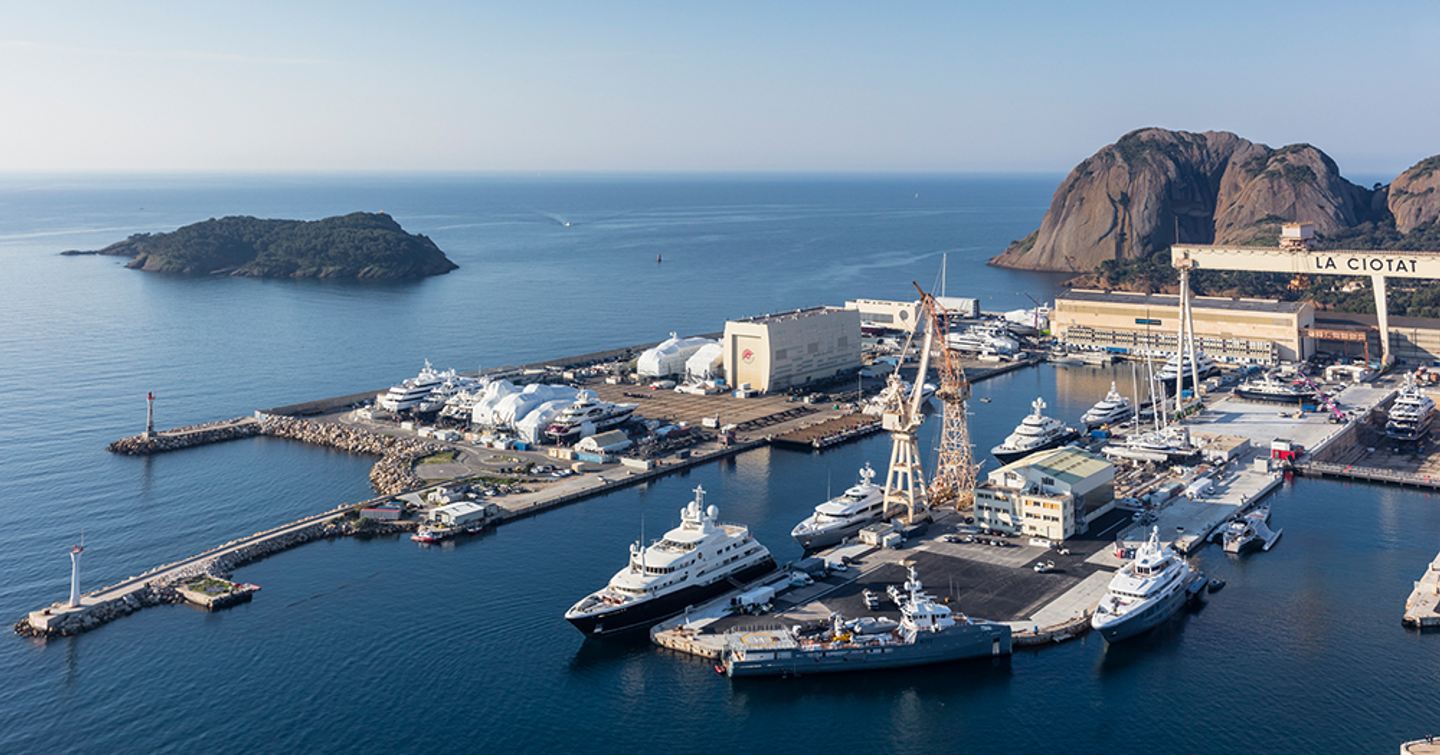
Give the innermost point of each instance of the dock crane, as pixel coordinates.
(955, 470)
(900, 416)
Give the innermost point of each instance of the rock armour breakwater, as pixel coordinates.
(393, 473)
(186, 437)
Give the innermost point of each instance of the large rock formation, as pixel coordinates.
(1154, 187)
(1414, 197)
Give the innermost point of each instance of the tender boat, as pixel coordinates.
(844, 515)
(1145, 592)
(1036, 432)
(1112, 409)
(696, 561)
(1250, 531)
(928, 632)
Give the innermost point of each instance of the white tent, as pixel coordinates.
(707, 362)
(668, 358)
(483, 412)
(514, 407)
(531, 429)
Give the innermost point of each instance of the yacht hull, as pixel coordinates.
(1249, 395)
(814, 540)
(958, 643)
(1008, 455)
(1091, 422)
(647, 613)
(1147, 618)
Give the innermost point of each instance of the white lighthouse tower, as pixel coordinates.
(75, 552)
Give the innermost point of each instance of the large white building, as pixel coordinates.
(1052, 494)
(775, 352)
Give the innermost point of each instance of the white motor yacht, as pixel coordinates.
(844, 515)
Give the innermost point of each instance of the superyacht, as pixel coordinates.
(1411, 414)
(409, 393)
(587, 416)
(1036, 432)
(1270, 388)
(1204, 365)
(927, 632)
(1112, 409)
(696, 561)
(1145, 592)
(984, 339)
(842, 516)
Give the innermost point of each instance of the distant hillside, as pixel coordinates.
(1153, 187)
(361, 245)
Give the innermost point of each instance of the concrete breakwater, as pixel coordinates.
(186, 437)
(158, 586)
(395, 471)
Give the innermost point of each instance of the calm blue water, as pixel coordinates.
(380, 645)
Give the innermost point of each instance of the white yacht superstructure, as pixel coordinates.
(844, 515)
(1036, 432)
(1110, 410)
(1411, 414)
(1144, 592)
(693, 562)
(1204, 365)
(587, 416)
(409, 393)
(984, 338)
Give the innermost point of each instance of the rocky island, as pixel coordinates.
(360, 246)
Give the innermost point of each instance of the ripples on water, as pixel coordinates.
(381, 645)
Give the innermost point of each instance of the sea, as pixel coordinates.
(382, 646)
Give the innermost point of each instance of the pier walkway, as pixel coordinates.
(1422, 608)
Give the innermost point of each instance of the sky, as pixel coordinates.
(696, 87)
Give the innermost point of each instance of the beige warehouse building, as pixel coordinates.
(1236, 330)
(775, 352)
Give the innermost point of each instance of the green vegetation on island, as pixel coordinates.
(361, 246)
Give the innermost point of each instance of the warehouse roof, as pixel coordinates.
(1170, 300)
(1067, 463)
(793, 314)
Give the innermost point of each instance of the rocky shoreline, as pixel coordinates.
(393, 473)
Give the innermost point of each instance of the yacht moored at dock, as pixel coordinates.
(693, 562)
(1112, 409)
(928, 632)
(1250, 531)
(1204, 365)
(1036, 432)
(844, 515)
(1145, 592)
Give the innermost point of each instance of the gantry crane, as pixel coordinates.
(905, 480)
(955, 470)
(954, 481)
